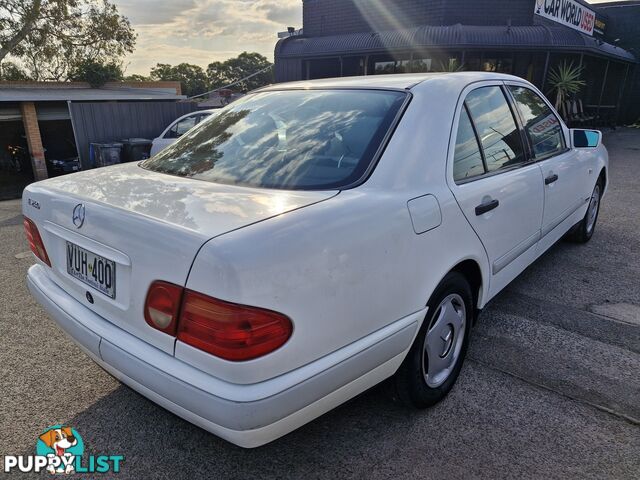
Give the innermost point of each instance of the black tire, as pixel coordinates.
(583, 231)
(410, 383)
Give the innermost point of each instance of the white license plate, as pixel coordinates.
(94, 270)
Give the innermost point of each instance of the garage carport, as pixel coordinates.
(37, 123)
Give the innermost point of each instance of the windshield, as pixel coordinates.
(295, 139)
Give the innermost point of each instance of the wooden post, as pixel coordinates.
(34, 140)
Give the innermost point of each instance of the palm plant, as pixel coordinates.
(565, 80)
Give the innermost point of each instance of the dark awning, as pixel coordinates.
(455, 36)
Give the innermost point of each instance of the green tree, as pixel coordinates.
(234, 69)
(192, 77)
(96, 73)
(50, 37)
(136, 78)
(11, 72)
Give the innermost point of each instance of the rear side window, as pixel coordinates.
(294, 139)
(496, 127)
(467, 161)
(540, 123)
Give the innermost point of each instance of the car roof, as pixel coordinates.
(404, 81)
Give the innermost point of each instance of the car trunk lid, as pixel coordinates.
(149, 225)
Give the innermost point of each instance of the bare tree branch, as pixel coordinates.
(29, 21)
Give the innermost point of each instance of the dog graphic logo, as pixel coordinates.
(60, 450)
(60, 441)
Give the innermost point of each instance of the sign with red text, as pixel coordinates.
(568, 13)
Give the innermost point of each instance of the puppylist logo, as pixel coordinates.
(60, 450)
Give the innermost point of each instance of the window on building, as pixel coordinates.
(323, 68)
(384, 64)
(352, 66)
(467, 161)
(614, 84)
(437, 63)
(496, 62)
(422, 65)
(403, 66)
(473, 61)
(530, 66)
(397, 66)
(496, 127)
(541, 125)
(384, 67)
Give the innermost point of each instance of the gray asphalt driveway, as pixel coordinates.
(550, 390)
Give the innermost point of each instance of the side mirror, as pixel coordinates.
(586, 138)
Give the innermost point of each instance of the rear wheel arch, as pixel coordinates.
(472, 272)
(426, 375)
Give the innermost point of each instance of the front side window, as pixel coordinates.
(182, 127)
(203, 117)
(467, 161)
(295, 139)
(540, 123)
(496, 127)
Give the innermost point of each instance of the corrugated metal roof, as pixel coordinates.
(398, 81)
(453, 36)
(20, 94)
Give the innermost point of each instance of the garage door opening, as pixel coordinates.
(59, 145)
(15, 162)
(58, 140)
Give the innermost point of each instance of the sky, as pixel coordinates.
(202, 31)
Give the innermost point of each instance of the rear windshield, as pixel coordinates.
(295, 139)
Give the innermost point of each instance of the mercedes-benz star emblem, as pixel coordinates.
(78, 215)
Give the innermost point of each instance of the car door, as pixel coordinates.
(563, 170)
(493, 180)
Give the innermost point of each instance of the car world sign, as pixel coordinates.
(567, 12)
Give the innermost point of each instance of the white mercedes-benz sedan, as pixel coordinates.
(310, 241)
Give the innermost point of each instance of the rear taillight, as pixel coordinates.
(162, 306)
(231, 331)
(227, 330)
(35, 240)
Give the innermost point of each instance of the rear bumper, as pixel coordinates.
(246, 415)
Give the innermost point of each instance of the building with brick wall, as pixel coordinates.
(527, 38)
(38, 125)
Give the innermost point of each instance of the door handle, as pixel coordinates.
(551, 179)
(487, 207)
